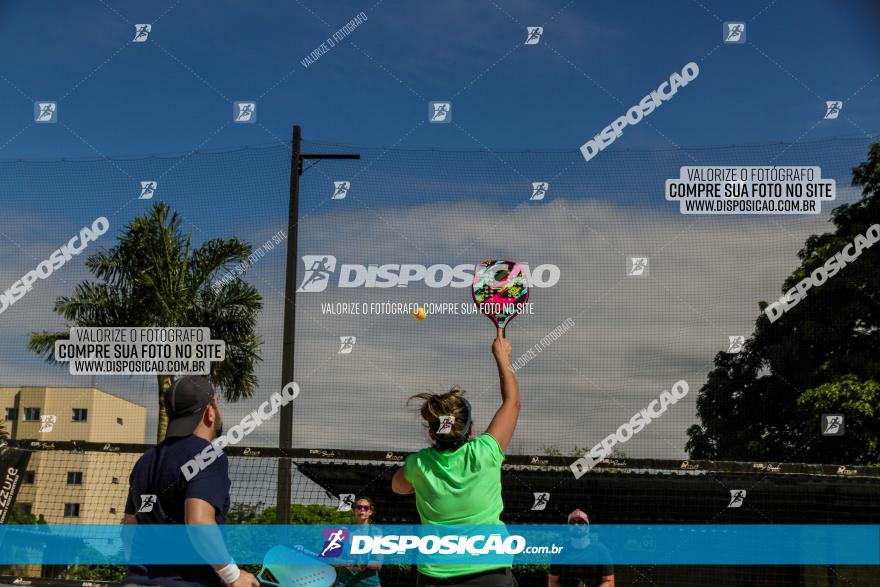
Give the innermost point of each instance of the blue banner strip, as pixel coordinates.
(720, 544)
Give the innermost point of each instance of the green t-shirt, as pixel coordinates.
(461, 487)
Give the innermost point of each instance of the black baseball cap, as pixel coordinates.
(185, 402)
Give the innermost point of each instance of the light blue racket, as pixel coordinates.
(286, 567)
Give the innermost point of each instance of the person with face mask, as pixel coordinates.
(160, 493)
(597, 569)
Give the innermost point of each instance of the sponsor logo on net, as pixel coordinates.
(247, 425)
(7, 490)
(823, 273)
(320, 452)
(634, 115)
(320, 268)
(629, 429)
(478, 544)
(55, 261)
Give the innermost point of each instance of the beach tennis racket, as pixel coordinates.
(499, 289)
(286, 567)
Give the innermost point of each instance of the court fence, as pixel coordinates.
(87, 483)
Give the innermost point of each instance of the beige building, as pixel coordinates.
(69, 487)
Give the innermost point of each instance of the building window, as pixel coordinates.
(28, 478)
(80, 415)
(119, 421)
(32, 414)
(25, 508)
(71, 510)
(11, 414)
(74, 478)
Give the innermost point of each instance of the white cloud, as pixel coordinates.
(633, 337)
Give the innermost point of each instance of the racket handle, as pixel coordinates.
(500, 333)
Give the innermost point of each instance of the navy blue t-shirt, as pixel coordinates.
(597, 564)
(157, 473)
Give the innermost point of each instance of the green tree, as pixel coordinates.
(96, 571)
(821, 356)
(102, 572)
(152, 277)
(859, 402)
(18, 516)
(241, 513)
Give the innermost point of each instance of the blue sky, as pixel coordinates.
(127, 101)
(173, 93)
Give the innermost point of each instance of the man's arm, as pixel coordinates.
(504, 422)
(607, 569)
(400, 485)
(209, 542)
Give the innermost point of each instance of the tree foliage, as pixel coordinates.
(153, 277)
(242, 513)
(821, 356)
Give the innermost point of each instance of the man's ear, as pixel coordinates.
(209, 416)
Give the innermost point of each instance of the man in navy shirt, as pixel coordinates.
(160, 493)
(595, 569)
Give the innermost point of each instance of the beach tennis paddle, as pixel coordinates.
(286, 567)
(500, 288)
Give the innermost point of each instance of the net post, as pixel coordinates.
(285, 433)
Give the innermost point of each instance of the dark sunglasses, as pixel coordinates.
(578, 522)
(361, 508)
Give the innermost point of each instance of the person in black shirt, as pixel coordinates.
(160, 493)
(596, 571)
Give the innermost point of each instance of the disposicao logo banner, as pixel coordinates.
(699, 544)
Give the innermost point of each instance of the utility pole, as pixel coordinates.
(285, 439)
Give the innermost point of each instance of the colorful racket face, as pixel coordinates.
(284, 567)
(499, 288)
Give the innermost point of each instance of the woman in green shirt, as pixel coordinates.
(458, 480)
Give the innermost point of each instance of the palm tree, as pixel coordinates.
(152, 277)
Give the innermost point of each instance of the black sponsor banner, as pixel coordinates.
(395, 457)
(13, 464)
